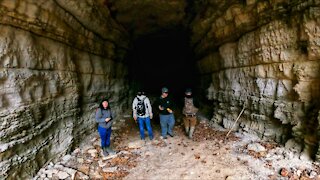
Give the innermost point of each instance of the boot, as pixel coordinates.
(104, 151)
(187, 130)
(191, 132)
(110, 151)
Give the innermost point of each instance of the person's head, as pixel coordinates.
(188, 92)
(140, 93)
(104, 104)
(164, 92)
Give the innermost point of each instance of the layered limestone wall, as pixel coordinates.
(57, 58)
(265, 56)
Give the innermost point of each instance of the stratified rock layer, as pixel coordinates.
(264, 57)
(57, 58)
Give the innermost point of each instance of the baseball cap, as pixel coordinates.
(164, 90)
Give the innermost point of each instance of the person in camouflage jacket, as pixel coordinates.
(189, 111)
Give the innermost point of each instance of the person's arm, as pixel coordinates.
(149, 107)
(134, 110)
(159, 105)
(111, 115)
(170, 106)
(99, 116)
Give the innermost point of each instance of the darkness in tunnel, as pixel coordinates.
(163, 58)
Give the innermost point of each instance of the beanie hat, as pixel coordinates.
(188, 90)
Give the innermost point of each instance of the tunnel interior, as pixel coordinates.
(162, 58)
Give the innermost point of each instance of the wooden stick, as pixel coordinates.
(235, 121)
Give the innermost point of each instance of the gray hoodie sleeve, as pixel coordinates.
(149, 106)
(99, 116)
(134, 104)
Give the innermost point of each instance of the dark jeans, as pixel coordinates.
(105, 135)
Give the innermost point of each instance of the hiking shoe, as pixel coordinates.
(161, 137)
(104, 152)
(171, 135)
(110, 151)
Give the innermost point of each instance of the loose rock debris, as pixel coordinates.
(89, 163)
(204, 132)
(209, 155)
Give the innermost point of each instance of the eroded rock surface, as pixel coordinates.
(264, 56)
(57, 58)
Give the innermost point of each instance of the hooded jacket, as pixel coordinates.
(147, 105)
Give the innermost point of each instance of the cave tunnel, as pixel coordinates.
(253, 64)
(163, 59)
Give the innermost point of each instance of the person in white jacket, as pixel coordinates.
(142, 112)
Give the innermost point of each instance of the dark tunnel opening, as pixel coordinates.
(163, 58)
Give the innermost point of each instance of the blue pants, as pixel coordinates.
(105, 136)
(142, 122)
(167, 123)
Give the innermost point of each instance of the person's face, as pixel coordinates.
(105, 104)
(188, 94)
(164, 94)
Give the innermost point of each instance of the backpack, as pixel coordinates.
(141, 107)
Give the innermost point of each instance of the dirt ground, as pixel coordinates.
(209, 155)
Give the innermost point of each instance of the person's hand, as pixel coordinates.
(135, 118)
(169, 110)
(151, 116)
(161, 108)
(107, 119)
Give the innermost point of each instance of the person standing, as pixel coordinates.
(189, 111)
(104, 118)
(167, 119)
(142, 112)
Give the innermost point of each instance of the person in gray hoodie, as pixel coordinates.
(142, 112)
(104, 119)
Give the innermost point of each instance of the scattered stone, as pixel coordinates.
(313, 174)
(109, 157)
(284, 172)
(305, 157)
(136, 144)
(80, 160)
(256, 147)
(58, 166)
(110, 169)
(66, 158)
(92, 151)
(84, 169)
(196, 156)
(62, 175)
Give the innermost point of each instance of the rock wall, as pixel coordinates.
(263, 56)
(57, 58)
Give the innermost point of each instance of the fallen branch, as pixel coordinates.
(236, 121)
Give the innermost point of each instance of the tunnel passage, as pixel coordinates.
(59, 57)
(163, 58)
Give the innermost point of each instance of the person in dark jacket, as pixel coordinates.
(104, 119)
(167, 120)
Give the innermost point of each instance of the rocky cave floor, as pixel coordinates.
(209, 155)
